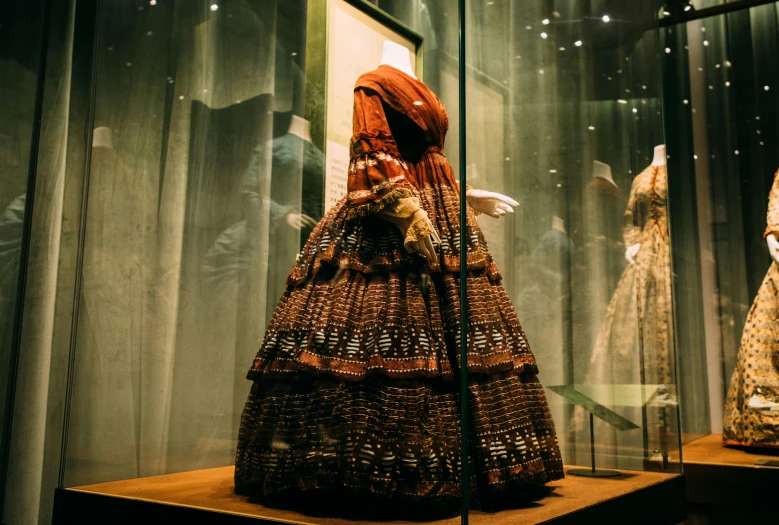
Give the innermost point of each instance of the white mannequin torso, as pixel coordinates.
(658, 160)
(398, 57)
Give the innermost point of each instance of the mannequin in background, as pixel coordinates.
(602, 260)
(603, 171)
(634, 343)
(603, 209)
(103, 137)
(554, 247)
(300, 127)
(658, 160)
(558, 224)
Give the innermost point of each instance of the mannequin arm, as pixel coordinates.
(631, 252)
(773, 246)
(490, 203)
(419, 235)
(300, 220)
(772, 217)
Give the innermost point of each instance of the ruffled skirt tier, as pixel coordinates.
(354, 382)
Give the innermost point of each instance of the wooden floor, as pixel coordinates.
(213, 489)
(709, 450)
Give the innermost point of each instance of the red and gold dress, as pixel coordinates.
(354, 384)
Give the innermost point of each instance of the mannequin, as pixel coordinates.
(660, 156)
(103, 138)
(398, 57)
(486, 202)
(602, 170)
(773, 246)
(658, 160)
(355, 306)
(752, 403)
(300, 127)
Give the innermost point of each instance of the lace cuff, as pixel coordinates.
(406, 214)
(419, 229)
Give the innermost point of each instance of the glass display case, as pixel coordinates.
(376, 195)
(720, 77)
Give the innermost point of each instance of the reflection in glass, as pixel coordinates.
(191, 180)
(564, 111)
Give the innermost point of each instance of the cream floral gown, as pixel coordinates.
(752, 405)
(633, 346)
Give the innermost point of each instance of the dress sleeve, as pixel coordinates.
(378, 176)
(631, 233)
(773, 208)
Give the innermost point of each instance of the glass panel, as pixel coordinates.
(20, 55)
(674, 8)
(224, 131)
(221, 137)
(564, 116)
(722, 98)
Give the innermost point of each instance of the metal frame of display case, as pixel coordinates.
(722, 9)
(84, 79)
(24, 255)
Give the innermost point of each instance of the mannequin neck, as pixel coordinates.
(660, 156)
(398, 57)
(103, 137)
(558, 224)
(300, 127)
(603, 171)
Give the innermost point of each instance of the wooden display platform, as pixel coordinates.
(719, 475)
(207, 495)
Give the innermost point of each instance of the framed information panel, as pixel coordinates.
(354, 35)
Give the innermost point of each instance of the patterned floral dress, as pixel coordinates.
(638, 320)
(634, 343)
(354, 384)
(752, 405)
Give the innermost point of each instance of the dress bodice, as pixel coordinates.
(647, 210)
(409, 98)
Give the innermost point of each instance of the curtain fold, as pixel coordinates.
(184, 96)
(42, 370)
(189, 104)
